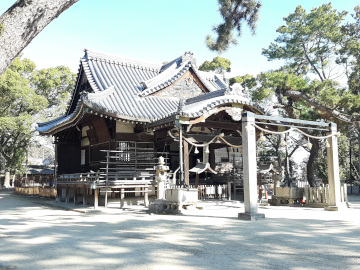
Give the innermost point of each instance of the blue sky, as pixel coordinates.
(158, 31)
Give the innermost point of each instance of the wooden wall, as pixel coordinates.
(68, 157)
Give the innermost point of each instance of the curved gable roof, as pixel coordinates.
(122, 88)
(171, 72)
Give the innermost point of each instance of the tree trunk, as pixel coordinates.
(13, 180)
(358, 167)
(7, 179)
(310, 166)
(23, 21)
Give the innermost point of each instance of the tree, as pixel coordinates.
(18, 103)
(218, 64)
(314, 44)
(55, 84)
(28, 95)
(22, 22)
(309, 42)
(234, 13)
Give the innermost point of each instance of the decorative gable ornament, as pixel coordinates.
(188, 57)
(238, 90)
(185, 88)
(235, 113)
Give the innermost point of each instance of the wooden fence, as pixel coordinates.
(208, 192)
(319, 196)
(40, 191)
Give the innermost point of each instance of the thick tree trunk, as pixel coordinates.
(358, 168)
(7, 179)
(310, 167)
(12, 184)
(23, 21)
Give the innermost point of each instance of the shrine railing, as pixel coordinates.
(78, 178)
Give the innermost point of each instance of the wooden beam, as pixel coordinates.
(203, 117)
(166, 141)
(134, 137)
(219, 125)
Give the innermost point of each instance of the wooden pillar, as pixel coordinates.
(333, 170)
(67, 194)
(75, 195)
(212, 156)
(234, 191)
(85, 195)
(56, 163)
(181, 153)
(58, 193)
(186, 163)
(96, 198)
(250, 168)
(106, 197)
(146, 196)
(107, 177)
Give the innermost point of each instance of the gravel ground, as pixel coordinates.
(41, 234)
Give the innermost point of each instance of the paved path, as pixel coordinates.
(37, 234)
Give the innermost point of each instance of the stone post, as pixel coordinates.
(122, 197)
(161, 176)
(229, 190)
(146, 196)
(250, 168)
(333, 171)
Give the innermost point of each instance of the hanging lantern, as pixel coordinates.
(327, 144)
(207, 149)
(308, 145)
(196, 151)
(282, 142)
(262, 137)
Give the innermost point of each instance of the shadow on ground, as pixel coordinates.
(34, 236)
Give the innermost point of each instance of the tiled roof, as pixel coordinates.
(105, 72)
(123, 88)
